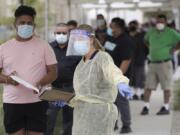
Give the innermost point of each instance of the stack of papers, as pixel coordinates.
(48, 95)
(24, 83)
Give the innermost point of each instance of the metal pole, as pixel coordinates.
(69, 8)
(21, 2)
(46, 18)
(108, 10)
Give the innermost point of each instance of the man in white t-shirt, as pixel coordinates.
(34, 61)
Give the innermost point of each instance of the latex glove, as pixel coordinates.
(125, 90)
(58, 104)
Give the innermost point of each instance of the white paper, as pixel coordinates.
(110, 46)
(23, 82)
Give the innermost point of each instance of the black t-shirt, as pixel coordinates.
(140, 49)
(120, 49)
(66, 65)
(101, 35)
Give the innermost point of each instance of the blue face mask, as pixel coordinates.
(81, 47)
(25, 31)
(109, 31)
(100, 22)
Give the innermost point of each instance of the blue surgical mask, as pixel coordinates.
(81, 47)
(61, 38)
(109, 31)
(100, 22)
(25, 31)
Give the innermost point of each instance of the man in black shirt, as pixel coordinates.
(72, 24)
(139, 56)
(119, 46)
(66, 68)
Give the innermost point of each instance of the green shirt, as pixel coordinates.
(161, 43)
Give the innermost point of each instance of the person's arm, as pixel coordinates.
(114, 76)
(177, 47)
(49, 77)
(125, 65)
(126, 55)
(4, 78)
(176, 40)
(112, 73)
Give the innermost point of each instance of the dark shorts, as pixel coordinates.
(138, 77)
(31, 117)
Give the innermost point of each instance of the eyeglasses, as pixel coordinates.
(64, 33)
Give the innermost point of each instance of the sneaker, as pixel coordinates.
(163, 111)
(142, 97)
(145, 111)
(125, 130)
(135, 97)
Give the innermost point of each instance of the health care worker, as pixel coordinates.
(96, 83)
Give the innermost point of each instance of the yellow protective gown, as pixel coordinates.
(95, 84)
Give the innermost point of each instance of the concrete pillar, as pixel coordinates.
(176, 5)
(46, 14)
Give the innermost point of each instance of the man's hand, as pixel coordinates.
(11, 81)
(6, 79)
(48, 78)
(39, 86)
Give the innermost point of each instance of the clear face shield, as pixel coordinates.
(79, 43)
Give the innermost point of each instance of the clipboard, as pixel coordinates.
(56, 95)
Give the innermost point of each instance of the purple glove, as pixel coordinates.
(125, 90)
(58, 104)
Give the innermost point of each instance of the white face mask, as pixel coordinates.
(25, 31)
(61, 38)
(160, 26)
(81, 47)
(100, 22)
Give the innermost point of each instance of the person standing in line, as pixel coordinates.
(139, 57)
(33, 60)
(161, 41)
(72, 24)
(66, 66)
(101, 31)
(120, 47)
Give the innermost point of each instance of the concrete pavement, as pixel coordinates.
(150, 124)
